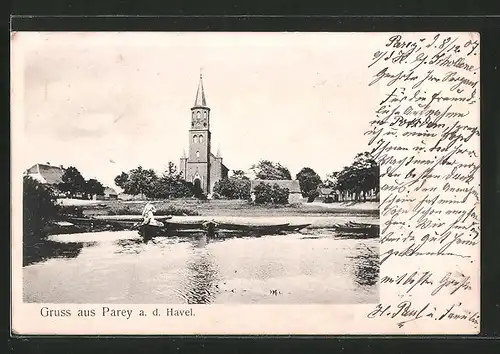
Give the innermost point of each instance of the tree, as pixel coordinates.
(141, 181)
(266, 194)
(72, 181)
(94, 187)
(263, 193)
(38, 209)
(280, 195)
(239, 174)
(172, 185)
(138, 181)
(268, 170)
(359, 178)
(122, 179)
(331, 180)
(233, 188)
(312, 195)
(309, 180)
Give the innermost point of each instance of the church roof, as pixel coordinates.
(292, 185)
(200, 95)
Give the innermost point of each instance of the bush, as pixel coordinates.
(265, 194)
(166, 210)
(71, 210)
(312, 195)
(216, 196)
(39, 208)
(233, 188)
(177, 211)
(328, 199)
(280, 195)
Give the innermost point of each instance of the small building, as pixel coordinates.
(326, 193)
(47, 174)
(109, 194)
(130, 197)
(292, 185)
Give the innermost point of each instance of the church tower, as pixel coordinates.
(200, 166)
(196, 165)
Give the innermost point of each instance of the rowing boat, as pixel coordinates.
(352, 227)
(263, 228)
(296, 227)
(128, 217)
(212, 229)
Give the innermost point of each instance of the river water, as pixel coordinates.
(313, 266)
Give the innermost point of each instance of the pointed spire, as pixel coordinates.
(183, 153)
(218, 151)
(200, 94)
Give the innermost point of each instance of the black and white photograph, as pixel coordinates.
(186, 171)
(245, 183)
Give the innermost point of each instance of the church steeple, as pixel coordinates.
(200, 95)
(200, 166)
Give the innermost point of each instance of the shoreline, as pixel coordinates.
(222, 208)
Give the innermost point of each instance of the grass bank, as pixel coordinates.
(194, 207)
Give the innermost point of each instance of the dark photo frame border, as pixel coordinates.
(489, 28)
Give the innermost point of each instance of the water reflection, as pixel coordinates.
(130, 246)
(366, 266)
(201, 279)
(46, 249)
(314, 266)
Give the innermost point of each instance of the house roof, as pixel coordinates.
(109, 190)
(292, 185)
(51, 174)
(325, 191)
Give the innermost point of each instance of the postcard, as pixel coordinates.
(187, 183)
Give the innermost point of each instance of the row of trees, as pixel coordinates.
(74, 184)
(359, 179)
(355, 181)
(170, 184)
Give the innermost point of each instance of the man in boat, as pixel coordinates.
(147, 214)
(210, 227)
(149, 222)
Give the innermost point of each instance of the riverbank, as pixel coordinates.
(223, 208)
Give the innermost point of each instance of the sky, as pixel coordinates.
(109, 102)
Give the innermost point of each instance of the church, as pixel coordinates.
(200, 166)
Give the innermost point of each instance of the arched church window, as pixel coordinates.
(193, 114)
(195, 139)
(205, 114)
(200, 139)
(198, 114)
(197, 154)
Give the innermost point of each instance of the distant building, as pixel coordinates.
(325, 193)
(46, 173)
(201, 167)
(109, 194)
(130, 197)
(292, 185)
